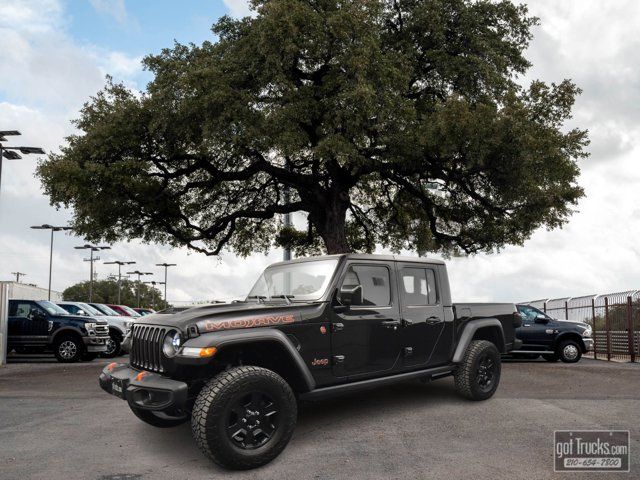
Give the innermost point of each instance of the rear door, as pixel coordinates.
(422, 315)
(365, 337)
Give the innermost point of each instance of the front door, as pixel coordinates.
(23, 327)
(536, 334)
(422, 315)
(365, 336)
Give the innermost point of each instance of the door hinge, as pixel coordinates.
(408, 351)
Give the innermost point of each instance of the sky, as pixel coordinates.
(55, 54)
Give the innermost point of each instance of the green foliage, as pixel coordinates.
(399, 123)
(106, 291)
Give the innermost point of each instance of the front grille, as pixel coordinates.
(102, 329)
(146, 347)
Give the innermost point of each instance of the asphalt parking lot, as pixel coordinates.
(56, 423)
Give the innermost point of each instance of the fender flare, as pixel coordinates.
(246, 336)
(469, 331)
(64, 330)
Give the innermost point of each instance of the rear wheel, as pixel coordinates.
(68, 349)
(159, 419)
(569, 351)
(244, 417)
(478, 375)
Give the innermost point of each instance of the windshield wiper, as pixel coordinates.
(286, 297)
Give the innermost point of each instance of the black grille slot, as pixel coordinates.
(146, 347)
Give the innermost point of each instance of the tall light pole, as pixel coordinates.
(53, 229)
(166, 266)
(92, 248)
(120, 263)
(139, 273)
(18, 275)
(153, 284)
(10, 152)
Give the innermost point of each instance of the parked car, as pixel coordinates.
(44, 326)
(104, 309)
(309, 328)
(119, 326)
(145, 311)
(123, 310)
(552, 338)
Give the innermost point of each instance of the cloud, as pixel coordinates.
(113, 8)
(239, 8)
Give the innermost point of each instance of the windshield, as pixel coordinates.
(89, 310)
(52, 308)
(130, 311)
(106, 310)
(297, 281)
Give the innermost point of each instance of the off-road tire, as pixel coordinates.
(65, 353)
(551, 357)
(158, 419)
(562, 353)
(213, 407)
(467, 374)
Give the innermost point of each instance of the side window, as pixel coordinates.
(528, 313)
(19, 309)
(70, 308)
(419, 286)
(375, 284)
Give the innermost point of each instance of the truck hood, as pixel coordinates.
(229, 316)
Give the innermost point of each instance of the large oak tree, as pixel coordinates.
(400, 123)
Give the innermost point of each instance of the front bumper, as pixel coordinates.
(143, 389)
(588, 344)
(96, 344)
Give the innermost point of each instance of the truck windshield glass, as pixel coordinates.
(296, 281)
(90, 310)
(130, 311)
(52, 308)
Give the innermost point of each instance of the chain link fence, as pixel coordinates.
(614, 317)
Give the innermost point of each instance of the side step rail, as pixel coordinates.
(539, 352)
(429, 374)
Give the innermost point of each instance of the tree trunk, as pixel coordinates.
(330, 222)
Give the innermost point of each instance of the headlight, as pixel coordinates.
(90, 327)
(171, 344)
(587, 332)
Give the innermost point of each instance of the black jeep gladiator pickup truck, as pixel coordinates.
(38, 326)
(309, 328)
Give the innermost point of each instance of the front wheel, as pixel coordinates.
(244, 417)
(569, 351)
(478, 375)
(69, 349)
(114, 347)
(159, 419)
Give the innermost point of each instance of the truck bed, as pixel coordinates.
(506, 313)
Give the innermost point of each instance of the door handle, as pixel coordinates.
(406, 322)
(336, 327)
(393, 324)
(434, 320)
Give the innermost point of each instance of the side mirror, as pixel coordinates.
(542, 319)
(81, 312)
(351, 295)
